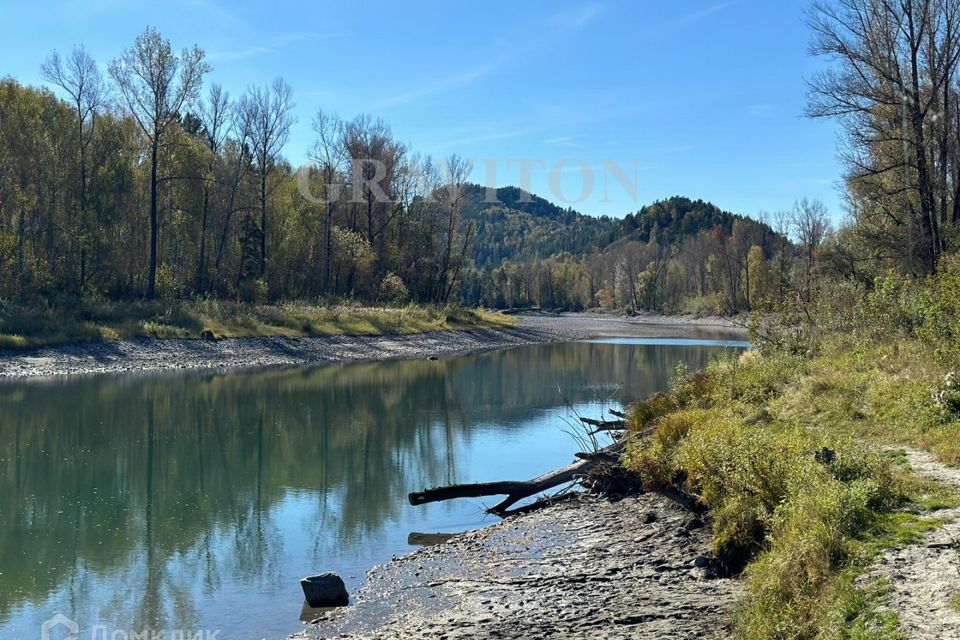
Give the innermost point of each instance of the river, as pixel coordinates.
(196, 501)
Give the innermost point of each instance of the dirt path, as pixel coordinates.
(585, 568)
(925, 577)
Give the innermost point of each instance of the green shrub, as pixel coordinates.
(645, 411)
(940, 304)
(789, 585)
(766, 444)
(779, 444)
(166, 285)
(656, 459)
(892, 308)
(393, 291)
(12, 341)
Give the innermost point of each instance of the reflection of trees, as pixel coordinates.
(108, 474)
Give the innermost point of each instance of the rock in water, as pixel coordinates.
(325, 590)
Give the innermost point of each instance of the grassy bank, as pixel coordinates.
(24, 326)
(784, 446)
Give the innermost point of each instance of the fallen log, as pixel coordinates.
(615, 427)
(541, 503)
(415, 538)
(595, 455)
(618, 414)
(606, 425)
(516, 490)
(600, 430)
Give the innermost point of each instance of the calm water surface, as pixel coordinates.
(198, 501)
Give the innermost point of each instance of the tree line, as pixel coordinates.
(142, 181)
(145, 181)
(676, 255)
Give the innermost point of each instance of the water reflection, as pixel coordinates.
(198, 501)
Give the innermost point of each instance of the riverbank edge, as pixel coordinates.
(586, 567)
(237, 354)
(173, 354)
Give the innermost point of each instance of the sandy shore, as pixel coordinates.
(170, 355)
(122, 356)
(585, 568)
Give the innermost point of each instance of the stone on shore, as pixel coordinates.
(325, 590)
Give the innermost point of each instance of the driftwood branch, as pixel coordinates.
(415, 538)
(544, 483)
(606, 456)
(518, 490)
(605, 425)
(545, 501)
(600, 430)
(514, 490)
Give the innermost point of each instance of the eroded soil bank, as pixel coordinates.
(584, 568)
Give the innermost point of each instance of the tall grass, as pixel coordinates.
(782, 445)
(42, 323)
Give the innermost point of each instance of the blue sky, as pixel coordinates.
(704, 97)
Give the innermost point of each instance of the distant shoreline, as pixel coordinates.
(171, 354)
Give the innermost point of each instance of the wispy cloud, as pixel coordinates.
(562, 141)
(708, 11)
(570, 166)
(439, 86)
(274, 44)
(479, 138)
(508, 51)
(540, 126)
(575, 19)
(239, 54)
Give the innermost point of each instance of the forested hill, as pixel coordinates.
(518, 225)
(676, 255)
(476, 202)
(669, 221)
